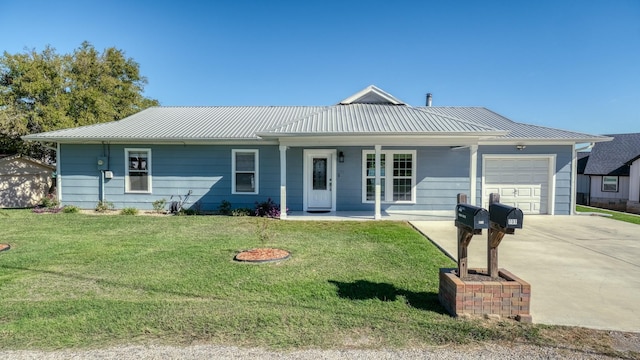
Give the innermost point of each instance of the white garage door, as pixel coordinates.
(521, 182)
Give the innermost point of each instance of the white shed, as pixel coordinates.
(23, 181)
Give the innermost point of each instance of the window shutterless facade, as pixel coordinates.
(245, 171)
(137, 170)
(610, 184)
(397, 176)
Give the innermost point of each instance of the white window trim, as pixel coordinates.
(617, 183)
(256, 171)
(127, 184)
(388, 191)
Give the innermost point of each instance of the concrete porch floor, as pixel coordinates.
(368, 215)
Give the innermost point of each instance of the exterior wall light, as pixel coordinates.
(341, 157)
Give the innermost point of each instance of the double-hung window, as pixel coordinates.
(610, 184)
(397, 176)
(245, 171)
(138, 170)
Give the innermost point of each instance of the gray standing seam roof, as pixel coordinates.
(377, 119)
(614, 157)
(214, 123)
(486, 117)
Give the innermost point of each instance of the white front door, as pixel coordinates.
(319, 180)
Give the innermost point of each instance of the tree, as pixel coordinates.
(46, 91)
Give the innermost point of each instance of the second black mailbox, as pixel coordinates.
(505, 216)
(473, 217)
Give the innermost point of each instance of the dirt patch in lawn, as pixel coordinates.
(260, 255)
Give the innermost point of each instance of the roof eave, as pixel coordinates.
(545, 141)
(120, 140)
(472, 134)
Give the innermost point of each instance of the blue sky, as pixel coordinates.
(569, 64)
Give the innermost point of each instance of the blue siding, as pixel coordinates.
(205, 170)
(175, 170)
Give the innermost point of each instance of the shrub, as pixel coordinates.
(103, 206)
(242, 212)
(129, 211)
(158, 205)
(188, 212)
(268, 209)
(70, 209)
(225, 208)
(49, 201)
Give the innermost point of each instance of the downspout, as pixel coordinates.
(58, 175)
(574, 176)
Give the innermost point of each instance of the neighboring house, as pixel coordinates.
(23, 181)
(583, 184)
(370, 152)
(614, 170)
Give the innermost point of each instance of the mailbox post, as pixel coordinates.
(470, 220)
(503, 219)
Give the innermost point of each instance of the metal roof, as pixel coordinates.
(371, 111)
(614, 157)
(358, 119)
(484, 116)
(184, 124)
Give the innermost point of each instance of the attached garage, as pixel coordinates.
(523, 181)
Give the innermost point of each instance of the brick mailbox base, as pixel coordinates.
(508, 296)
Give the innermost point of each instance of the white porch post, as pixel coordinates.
(473, 173)
(377, 214)
(283, 182)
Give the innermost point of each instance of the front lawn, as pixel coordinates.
(616, 215)
(74, 280)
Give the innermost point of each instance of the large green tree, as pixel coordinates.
(44, 91)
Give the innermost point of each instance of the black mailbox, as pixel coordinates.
(473, 217)
(505, 216)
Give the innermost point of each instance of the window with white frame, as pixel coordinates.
(138, 170)
(397, 176)
(610, 184)
(245, 171)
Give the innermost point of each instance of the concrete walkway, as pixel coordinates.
(583, 270)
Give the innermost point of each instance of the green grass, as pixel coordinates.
(630, 218)
(74, 280)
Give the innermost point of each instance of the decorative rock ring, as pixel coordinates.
(262, 255)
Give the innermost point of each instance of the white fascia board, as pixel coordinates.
(527, 141)
(379, 140)
(164, 141)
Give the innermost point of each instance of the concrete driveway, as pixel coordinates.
(583, 270)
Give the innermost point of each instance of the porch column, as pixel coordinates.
(473, 174)
(283, 182)
(377, 215)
